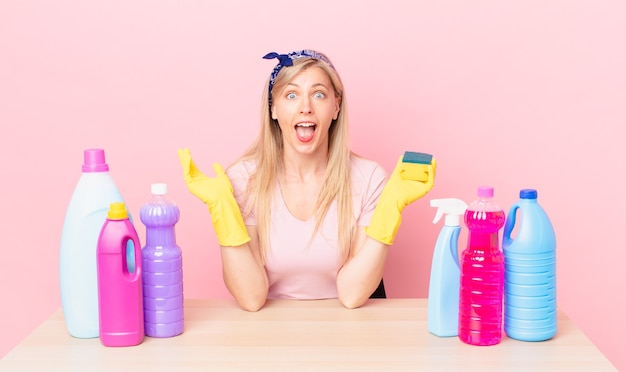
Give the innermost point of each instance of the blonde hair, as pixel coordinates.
(266, 152)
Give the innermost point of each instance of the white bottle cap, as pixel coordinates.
(159, 188)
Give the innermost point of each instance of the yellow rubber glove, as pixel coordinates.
(218, 195)
(403, 188)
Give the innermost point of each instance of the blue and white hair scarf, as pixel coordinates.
(287, 60)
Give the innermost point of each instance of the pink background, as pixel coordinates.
(513, 94)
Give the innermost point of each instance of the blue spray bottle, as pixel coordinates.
(445, 272)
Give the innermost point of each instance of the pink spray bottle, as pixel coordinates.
(120, 296)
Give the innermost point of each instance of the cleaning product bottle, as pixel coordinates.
(120, 297)
(162, 266)
(85, 215)
(530, 271)
(482, 273)
(443, 289)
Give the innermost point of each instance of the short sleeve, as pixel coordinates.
(368, 180)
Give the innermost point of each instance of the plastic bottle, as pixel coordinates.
(120, 297)
(530, 271)
(162, 266)
(482, 273)
(443, 289)
(85, 215)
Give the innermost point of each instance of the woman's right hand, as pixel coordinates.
(217, 194)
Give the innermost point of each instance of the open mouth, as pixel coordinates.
(305, 131)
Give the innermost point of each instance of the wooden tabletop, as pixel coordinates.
(286, 335)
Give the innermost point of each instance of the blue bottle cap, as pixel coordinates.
(528, 194)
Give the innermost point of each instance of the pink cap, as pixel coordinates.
(94, 161)
(485, 191)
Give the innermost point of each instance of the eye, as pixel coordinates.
(291, 95)
(319, 95)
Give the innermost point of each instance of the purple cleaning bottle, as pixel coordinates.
(482, 273)
(162, 266)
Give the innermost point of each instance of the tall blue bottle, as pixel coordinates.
(445, 272)
(530, 271)
(162, 266)
(85, 215)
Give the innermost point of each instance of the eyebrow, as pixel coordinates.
(313, 86)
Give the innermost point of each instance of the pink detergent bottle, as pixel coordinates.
(482, 273)
(120, 296)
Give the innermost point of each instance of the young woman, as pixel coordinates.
(299, 215)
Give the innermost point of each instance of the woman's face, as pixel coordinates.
(305, 108)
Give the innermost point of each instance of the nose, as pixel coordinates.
(305, 105)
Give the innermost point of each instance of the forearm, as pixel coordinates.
(244, 277)
(362, 273)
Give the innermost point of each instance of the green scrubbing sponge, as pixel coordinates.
(415, 165)
(417, 157)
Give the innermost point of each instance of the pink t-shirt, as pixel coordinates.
(300, 265)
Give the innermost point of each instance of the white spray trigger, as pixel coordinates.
(453, 209)
(439, 212)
